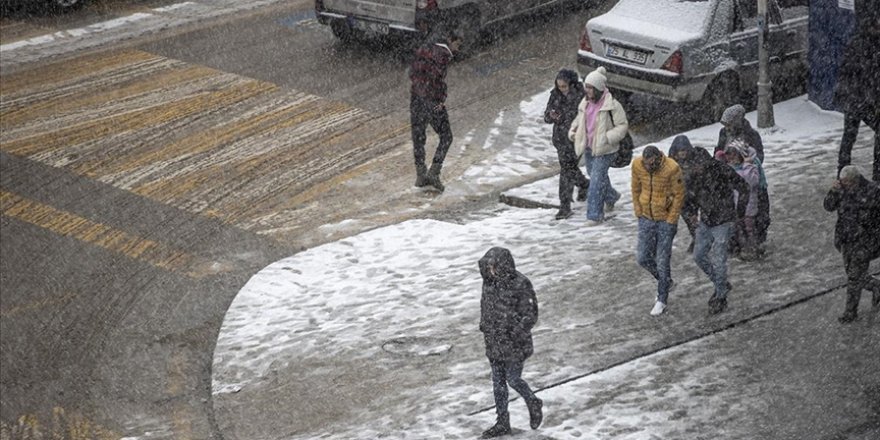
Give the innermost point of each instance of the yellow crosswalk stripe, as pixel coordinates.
(114, 240)
(201, 140)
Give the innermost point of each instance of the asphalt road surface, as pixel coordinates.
(146, 178)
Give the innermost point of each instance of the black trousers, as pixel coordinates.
(423, 112)
(762, 219)
(857, 261)
(570, 175)
(851, 122)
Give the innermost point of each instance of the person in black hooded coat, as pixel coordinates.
(561, 110)
(508, 311)
(857, 234)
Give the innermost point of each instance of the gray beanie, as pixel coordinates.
(850, 172)
(733, 113)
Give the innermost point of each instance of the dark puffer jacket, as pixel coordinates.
(565, 105)
(858, 217)
(710, 188)
(858, 84)
(508, 308)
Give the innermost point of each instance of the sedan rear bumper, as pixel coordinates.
(654, 82)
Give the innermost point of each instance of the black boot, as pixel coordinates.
(536, 415)
(582, 193)
(434, 177)
(564, 213)
(502, 427)
(421, 175)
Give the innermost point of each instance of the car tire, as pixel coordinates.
(721, 94)
(469, 26)
(65, 5)
(342, 31)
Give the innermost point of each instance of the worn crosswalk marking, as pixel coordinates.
(202, 140)
(112, 239)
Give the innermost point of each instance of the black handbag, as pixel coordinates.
(625, 151)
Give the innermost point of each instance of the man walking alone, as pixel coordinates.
(508, 311)
(658, 195)
(428, 106)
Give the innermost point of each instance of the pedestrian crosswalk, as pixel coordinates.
(212, 143)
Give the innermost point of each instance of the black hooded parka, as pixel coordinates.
(508, 308)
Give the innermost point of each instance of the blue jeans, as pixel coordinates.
(508, 372)
(710, 253)
(600, 191)
(654, 252)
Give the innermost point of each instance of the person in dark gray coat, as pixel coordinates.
(508, 311)
(857, 93)
(857, 234)
(561, 110)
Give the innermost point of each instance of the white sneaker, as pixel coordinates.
(658, 309)
(591, 223)
(609, 207)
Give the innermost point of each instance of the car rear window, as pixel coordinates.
(679, 14)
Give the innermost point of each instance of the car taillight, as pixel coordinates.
(674, 63)
(426, 4)
(585, 41)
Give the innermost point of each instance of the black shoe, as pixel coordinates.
(564, 214)
(582, 194)
(421, 176)
(875, 295)
(500, 428)
(847, 317)
(536, 416)
(691, 247)
(717, 305)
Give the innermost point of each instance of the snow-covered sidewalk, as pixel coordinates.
(375, 336)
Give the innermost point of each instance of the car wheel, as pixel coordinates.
(721, 94)
(342, 31)
(468, 26)
(65, 5)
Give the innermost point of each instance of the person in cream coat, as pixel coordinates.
(597, 130)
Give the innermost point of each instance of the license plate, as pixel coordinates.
(370, 27)
(622, 53)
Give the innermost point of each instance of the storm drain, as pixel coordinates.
(416, 346)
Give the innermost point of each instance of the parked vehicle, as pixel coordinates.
(365, 19)
(694, 51)
(54, 5)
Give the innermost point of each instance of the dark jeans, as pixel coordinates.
(504, 373)
(762, 219)
(422, 113)
(570, 175)
(851, 124)
(654, 251)
(857, 261)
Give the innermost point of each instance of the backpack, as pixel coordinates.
(625, 151)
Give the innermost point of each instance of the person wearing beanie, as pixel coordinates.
(597, 131)
(428, 106)
(743, 242)
(736, 128)
(561, 110)
(658, 195)
(856, 234)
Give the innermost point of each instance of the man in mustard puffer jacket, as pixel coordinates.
(658, 195)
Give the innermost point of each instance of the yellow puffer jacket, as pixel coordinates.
(657, 196)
